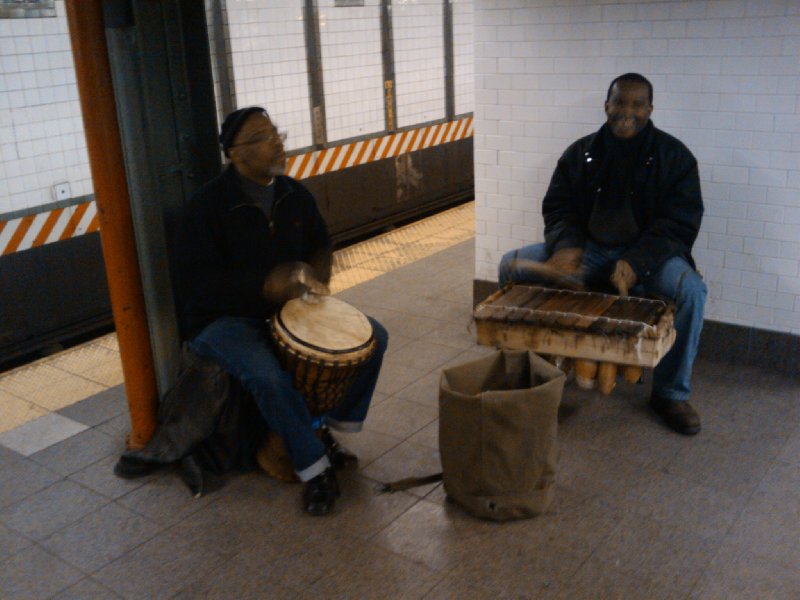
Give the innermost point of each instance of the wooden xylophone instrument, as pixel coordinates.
(602, 332)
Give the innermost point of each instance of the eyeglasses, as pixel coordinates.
(267, 137)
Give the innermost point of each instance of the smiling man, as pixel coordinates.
(623, 209)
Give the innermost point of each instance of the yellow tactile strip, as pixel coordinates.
(371, 258)
(51, 383)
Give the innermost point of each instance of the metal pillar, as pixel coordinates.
(161, 70)
(387, 51)
(319, 127)
(449, 63)
(111, 194)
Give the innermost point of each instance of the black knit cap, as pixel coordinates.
(233, 123)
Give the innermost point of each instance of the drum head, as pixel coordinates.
(330, 325)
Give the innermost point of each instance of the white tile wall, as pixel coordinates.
(352, 69)
(463, 72)
(41, 132)
(419, 60)
(727, 83)
(267, 43)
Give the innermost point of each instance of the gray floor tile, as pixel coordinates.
(40, 433)
(34, 573)
(451, 588)
(394, 377)
(728, 468)
(164, 500)
(689, 506)
(435, 535)
(769, 526)
(790, 453)
(7, 455)
(597, 473)
(362, 511)
(11, 542)
(406, 460)
(665, 556)
(639, 512)
(100, 537)
(99, 408)
(100, 477)
(46, 511)
(424, 355)
(159, 568)
(87, 589)
(461, 337)
(370, 572)
(423, 391)
(78, 452)
(735, 573)
(242, 578)
(118, 427)
(400, 418)
(519, 565)
(596, 581)
(367, 445)
(22, 477)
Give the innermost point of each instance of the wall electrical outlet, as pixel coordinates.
(61, 191)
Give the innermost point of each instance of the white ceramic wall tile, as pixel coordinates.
(463, 73)
(37, 96)
(418, 30)
(352, 69)
(726, 83)
(267, 43)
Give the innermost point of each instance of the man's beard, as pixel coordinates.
(276, 169)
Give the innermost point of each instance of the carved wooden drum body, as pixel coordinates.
(587, 326)
(323, 344)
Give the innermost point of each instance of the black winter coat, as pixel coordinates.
(667, 202)
(226, 248)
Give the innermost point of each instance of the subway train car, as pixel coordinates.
(375, 97)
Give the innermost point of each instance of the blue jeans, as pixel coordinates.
(243, 348)
(675, 280)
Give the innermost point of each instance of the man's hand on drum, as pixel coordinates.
(566, 260)
(623, 278)
(292, 280)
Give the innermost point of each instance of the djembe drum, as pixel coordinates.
(322, 343)
(601, 332)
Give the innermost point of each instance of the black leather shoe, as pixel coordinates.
(678, 415)
(320, 493)
(133, 467)
(339, 456)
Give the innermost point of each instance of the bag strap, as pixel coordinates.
(408, 483)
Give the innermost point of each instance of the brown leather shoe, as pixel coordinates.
(678, 415)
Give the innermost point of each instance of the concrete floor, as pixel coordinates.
(640, 512)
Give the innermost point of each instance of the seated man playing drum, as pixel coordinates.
(253, 239)
(624, 207)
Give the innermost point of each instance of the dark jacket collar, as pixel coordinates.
(233, 196)
(598, 146)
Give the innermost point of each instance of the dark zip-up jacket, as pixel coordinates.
(665, 191)
(227, 246)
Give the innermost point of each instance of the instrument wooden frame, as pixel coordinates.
(587, 335)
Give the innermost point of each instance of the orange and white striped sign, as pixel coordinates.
(366, 151)
(71, 221)
(47, 227)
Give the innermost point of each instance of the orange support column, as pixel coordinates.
(98, 107)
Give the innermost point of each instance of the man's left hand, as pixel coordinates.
(623, 278)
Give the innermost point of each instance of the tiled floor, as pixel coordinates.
(640, 512)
